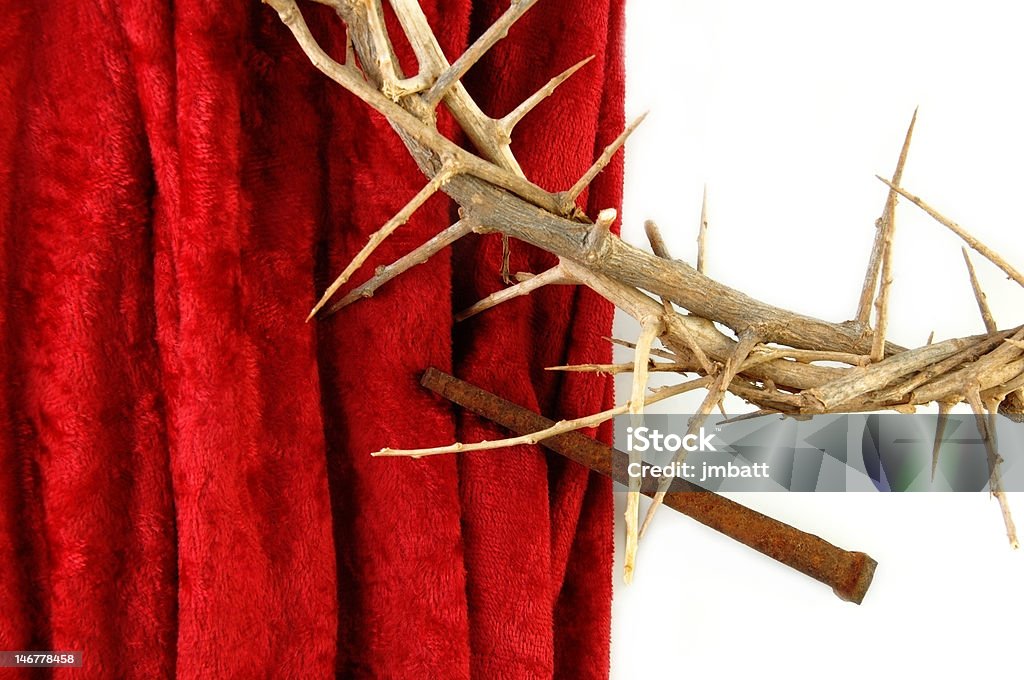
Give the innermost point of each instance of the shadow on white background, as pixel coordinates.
(787, 111)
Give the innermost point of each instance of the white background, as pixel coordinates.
(787, 110)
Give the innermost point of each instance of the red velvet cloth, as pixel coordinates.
(185, 481)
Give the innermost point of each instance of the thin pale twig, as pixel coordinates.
(657, 241)
(807, 356)
(494, 33)
(987, 431)
(940, 429)
(867, 292)
(560, 427)
(882, 301)
(661, 353)
(886, 233)
(979, 295)
(615, 369)
(650, 329)
(660, 248)
(381, 234)
(986, 252)
(404, 263)
(568, 198)
(747, 341)
(554, 276)
(510, 120)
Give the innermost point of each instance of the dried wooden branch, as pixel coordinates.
(497, 31)
(773, 359)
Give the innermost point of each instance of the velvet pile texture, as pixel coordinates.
(186, 488)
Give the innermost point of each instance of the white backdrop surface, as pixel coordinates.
(787, 111)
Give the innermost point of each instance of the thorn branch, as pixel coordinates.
(404, 263)
(986, 252)
(568, 198)
(554, 276)
(867, 293)
(497, 31)
(508, 123)
(747, 341)
(379, 236)
(979, 294)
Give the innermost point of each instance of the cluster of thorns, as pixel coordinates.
(779, 361)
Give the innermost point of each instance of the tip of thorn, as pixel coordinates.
(312, 314)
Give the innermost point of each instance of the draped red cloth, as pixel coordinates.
(185, 481)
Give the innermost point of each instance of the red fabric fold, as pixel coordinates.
(185, 485)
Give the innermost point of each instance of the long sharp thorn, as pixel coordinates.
(987, 432)
(403, 264)
(979, 295)
(976, 245)
(381, 234)
(664, 354)
(875, 261)
(940, 429)
(509, 121)
(702, 232)
(570, 196)
(553, 276)
(494, 33)
(747, 341)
